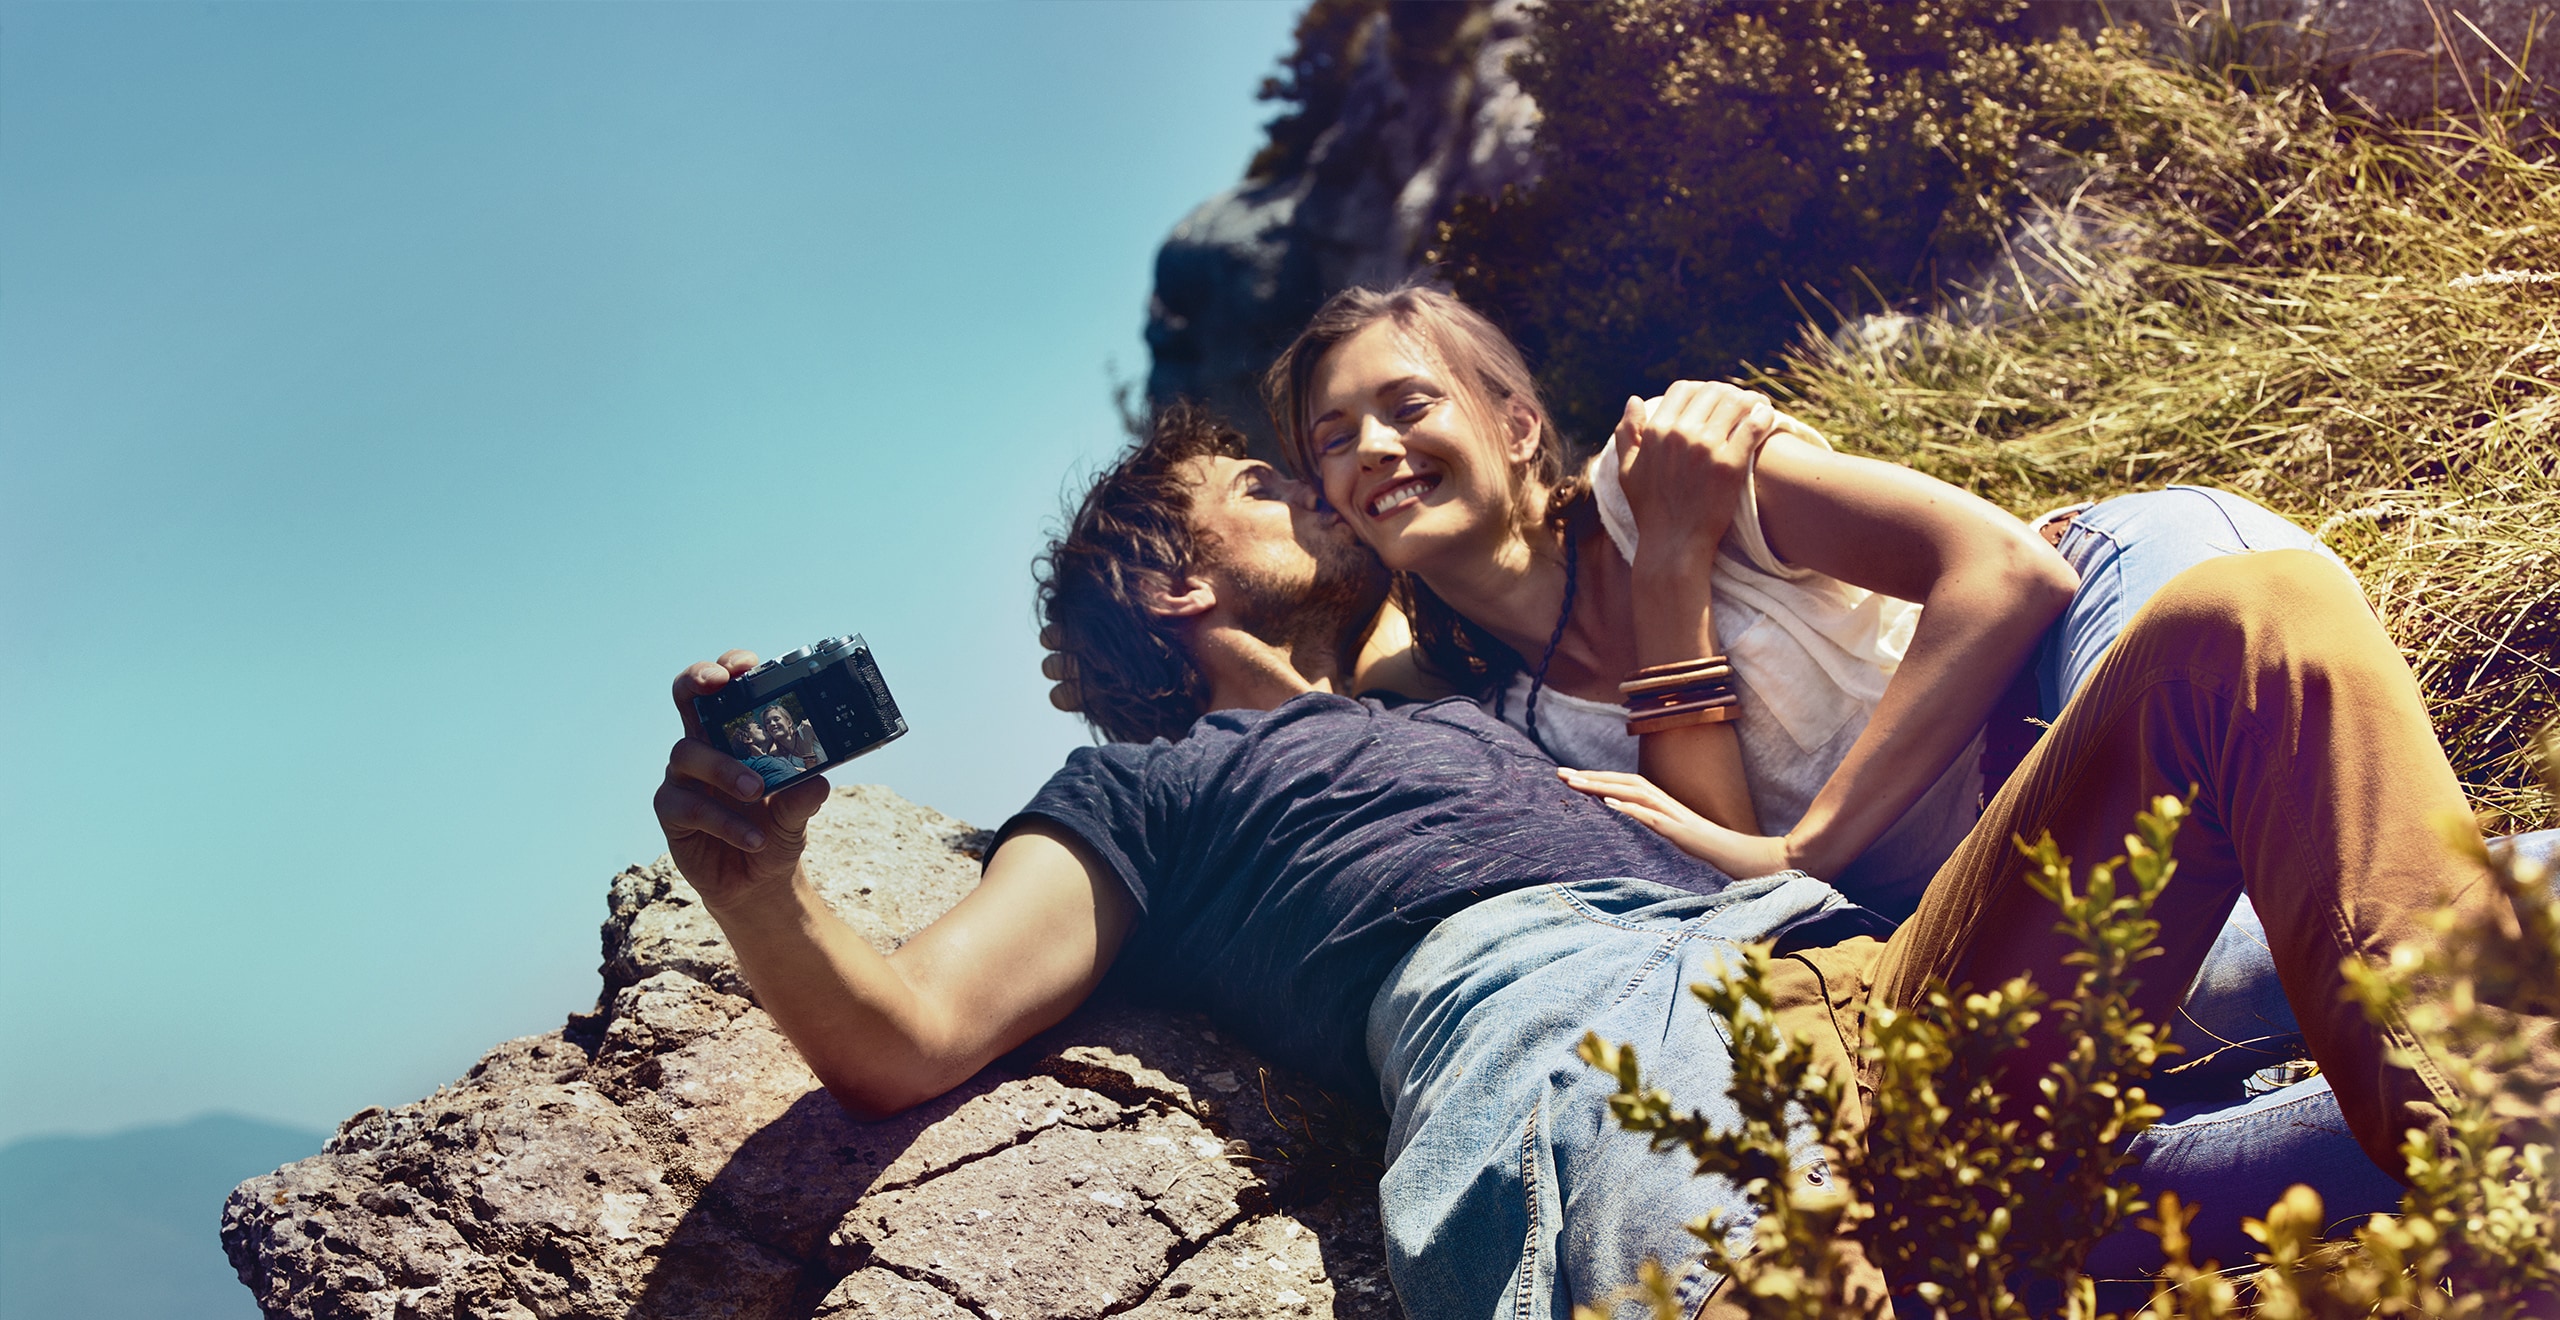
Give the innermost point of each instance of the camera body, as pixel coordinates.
(802, 712)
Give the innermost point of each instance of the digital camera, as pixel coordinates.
(802, 712)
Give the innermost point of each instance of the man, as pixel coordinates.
(1409, 897)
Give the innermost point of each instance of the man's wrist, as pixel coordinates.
(759, 902)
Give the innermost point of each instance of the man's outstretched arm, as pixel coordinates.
(1016, 955)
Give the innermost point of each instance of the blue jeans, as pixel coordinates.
(2125, 549)
(1509, 1190)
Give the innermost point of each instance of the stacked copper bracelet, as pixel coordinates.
(1675, 696)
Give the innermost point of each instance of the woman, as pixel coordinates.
(1870, 616)
(1862, 620)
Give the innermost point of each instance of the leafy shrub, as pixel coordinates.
(1706, 163)
(1951, 1192)
(1944, 1195)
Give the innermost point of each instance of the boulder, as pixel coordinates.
(1431, 114)
(668, 1155)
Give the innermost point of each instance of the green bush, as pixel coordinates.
(1708, 164)
(1958, 1198)
(1961, 1204)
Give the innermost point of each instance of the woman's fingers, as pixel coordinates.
(1609, 777)
(1708, 413)
(1681, 833)
(1630, 429)
(1650, 818)
(1616, 786)
(1722, 417)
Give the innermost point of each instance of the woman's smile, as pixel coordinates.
(1400, 456)
(1402, 493)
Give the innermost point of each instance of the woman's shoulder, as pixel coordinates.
(1391, 662)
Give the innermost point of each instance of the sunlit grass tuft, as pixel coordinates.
(2357, 325)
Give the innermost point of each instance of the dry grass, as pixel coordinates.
(2358, 326)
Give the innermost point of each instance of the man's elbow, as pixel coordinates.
(871, 1099)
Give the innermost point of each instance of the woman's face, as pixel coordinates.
(777, 721)
(1409, 468)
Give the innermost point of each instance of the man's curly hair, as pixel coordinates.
(1134, 679)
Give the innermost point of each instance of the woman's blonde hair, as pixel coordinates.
(1490, 381)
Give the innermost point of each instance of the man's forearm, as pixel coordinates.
(1010, 959)
(860, 1026)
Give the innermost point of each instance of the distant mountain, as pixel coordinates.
(127, 1226)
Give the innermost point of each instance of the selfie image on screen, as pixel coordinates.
(776, 740)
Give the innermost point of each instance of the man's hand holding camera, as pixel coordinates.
(730, 840)
(882, 1032)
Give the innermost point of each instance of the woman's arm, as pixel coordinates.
(1990, 588)
(1685, 460)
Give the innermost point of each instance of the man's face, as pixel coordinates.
(1291, 569)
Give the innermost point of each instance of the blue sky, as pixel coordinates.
(393, 397)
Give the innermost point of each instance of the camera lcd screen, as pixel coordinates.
(777, 739)
(803, 726)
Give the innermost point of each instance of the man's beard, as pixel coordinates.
(1332, 607)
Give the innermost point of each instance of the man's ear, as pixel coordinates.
(1163, 599)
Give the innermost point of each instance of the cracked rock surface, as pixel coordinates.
(668, 1155)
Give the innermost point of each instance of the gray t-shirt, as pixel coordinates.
(1284, 860)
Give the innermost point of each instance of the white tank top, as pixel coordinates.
(1811, 655)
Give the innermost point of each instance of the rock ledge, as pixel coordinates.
(668, 1155)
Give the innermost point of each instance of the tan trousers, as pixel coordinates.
(2264, 684)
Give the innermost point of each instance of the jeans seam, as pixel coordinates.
(2341, 931)
(1529, 1186)
(1660, 955)
(2334, 915)
(2225, 1120)
(1590, 913)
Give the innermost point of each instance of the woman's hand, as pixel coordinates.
(1684, 460)
(1742, 856)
